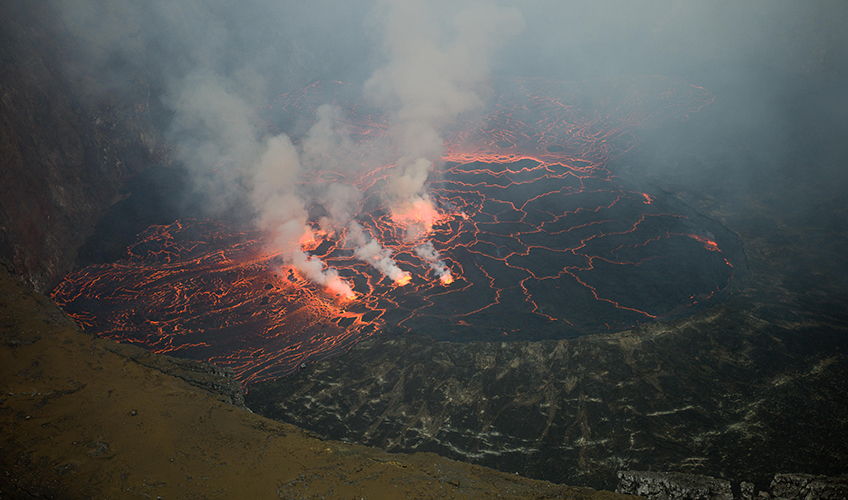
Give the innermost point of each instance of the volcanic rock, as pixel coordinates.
(715, 394)
(676, 486)
(809, 487)
(216, 380)
(673, 486)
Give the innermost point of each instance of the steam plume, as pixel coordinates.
(283, 216)
(430, 78)
(431, 256)
(370, 251)
(227, 161)
(215, 75)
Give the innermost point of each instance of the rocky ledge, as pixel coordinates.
(724, 393)
(677, 486)
(217, 380)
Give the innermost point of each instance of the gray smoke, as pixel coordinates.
(437, 69)
(434, 71)
(213, 65)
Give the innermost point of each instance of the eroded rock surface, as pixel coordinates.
(676, 486)
(809, 487)
(673, 486)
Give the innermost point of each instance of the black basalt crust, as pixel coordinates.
(716, 393)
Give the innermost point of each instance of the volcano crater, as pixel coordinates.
(542, 238)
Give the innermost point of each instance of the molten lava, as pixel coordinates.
(526, 234)
(417, 216)
(403, 279)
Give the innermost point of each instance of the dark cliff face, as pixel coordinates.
(68, 144)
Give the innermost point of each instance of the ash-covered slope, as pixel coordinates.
(82, 417)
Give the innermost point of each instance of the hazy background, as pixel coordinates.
(777, 67)
(776, 130)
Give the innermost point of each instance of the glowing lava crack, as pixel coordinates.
(533, 238)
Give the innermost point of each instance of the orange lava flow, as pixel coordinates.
(532, 237)
(708, 243)
(204, 290)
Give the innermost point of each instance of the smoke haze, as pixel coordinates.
(214, 65)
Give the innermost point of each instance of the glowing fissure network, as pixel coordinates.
(528, 235)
